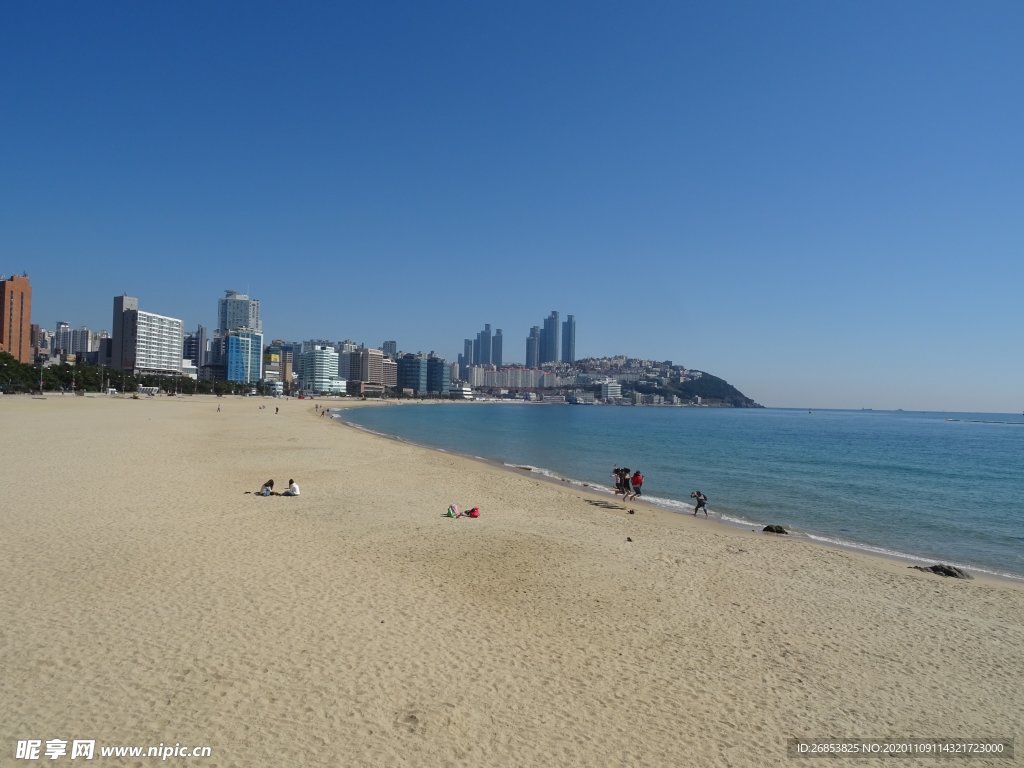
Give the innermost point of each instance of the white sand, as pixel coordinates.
(146, 599)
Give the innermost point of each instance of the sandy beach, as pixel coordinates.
(147, 599)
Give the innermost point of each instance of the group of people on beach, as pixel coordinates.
(267, 489)
(629, 485)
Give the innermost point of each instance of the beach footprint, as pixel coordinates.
(411, 720)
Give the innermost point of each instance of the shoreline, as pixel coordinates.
(150, 598)
(674, 507)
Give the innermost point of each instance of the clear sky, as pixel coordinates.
(820, 202)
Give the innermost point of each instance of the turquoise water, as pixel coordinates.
(933, 486)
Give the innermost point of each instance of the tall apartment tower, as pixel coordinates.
(549, 340)
(533, 348)
(391, 349)
(236, 312)
(61, 338)
(122, 333)
(143, 342)
(496, 348)
(16, 317)
(569, 339)
(485, 345)
(241, 332)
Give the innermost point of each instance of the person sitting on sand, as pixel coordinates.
(267, 489)
(293, 489)
(702, 503)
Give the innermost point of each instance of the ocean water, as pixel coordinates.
(934, 487)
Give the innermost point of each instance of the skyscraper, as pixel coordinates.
(496, 348)
(485, 345)
(143, 342)
(122, 333)
(569, 339)
(16, 317)
(61, 344)
(533, 348)
(549, 340)
(391, 349)
(236, 312)
(412, 373)
(438, 376)
(244, 358)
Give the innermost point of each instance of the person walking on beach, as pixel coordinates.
(702, 503)
(635, 482)
(616, 473)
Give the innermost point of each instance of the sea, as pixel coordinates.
(921, 486)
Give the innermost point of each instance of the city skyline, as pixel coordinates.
(816, 202)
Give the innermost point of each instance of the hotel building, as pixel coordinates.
(16, 317)
(144, 342)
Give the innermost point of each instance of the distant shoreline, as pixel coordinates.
(673, 506)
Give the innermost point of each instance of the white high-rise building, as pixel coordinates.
(143, 342)
(62, 337)
(158, 343)
(237, 312)
(320, 371)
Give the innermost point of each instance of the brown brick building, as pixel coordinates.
(16, 317)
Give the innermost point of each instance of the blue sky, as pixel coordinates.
(819, 202)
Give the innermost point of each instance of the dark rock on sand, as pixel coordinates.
(774, 529)
(944, 570)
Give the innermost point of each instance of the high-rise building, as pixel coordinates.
(16, 317)
(61, 338)
(390, 373)
(81, 342)
(391, 349)
(244, 356)
(122, 333)
(466, 359)
(549, 339)
(236, 312)
(345, 350)
(320, 370)
(412, 373)
(143, 342)
(196, 347)
(484, 346)
(367, 365)
(438, 376)
(533, 348)
(569, 339)
(496, 348)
